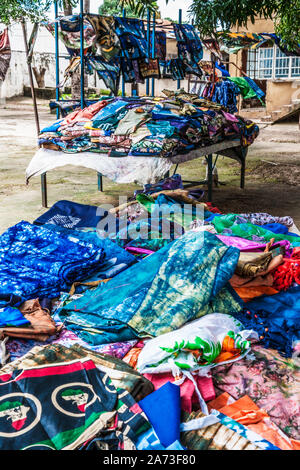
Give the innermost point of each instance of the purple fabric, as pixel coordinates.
(247, 245)
(140, 251)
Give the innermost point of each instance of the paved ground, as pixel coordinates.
(272, 175)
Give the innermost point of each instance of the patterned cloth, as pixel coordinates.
(5, 54)
(61, 406)
(182, 281)
(36, 262)
(271, 381)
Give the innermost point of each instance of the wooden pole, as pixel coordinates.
(36, 115)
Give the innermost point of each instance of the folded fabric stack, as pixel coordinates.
(134, 126)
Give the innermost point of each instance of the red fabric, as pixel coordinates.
(85, 114)
(213, 209)
(188, 393)
(288, 272)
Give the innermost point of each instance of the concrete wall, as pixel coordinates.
(44, 56)
(279, 92)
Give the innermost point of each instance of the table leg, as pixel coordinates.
(100, 182)
(209, 160)
(44, 190)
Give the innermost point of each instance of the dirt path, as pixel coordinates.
(272, 175)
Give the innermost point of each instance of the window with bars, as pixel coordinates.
(270, 62)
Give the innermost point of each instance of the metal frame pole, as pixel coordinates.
(36, 115)
(153, 53)
(123, 80)
(82, 103)
(179, 21)
(148, 48)
(56, 58)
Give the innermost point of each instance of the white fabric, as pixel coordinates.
(140, 170)
(199, 423)
(4, 356)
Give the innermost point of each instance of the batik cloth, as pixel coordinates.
(5, 53)
(246, 412)
(36, 262)
(271, 381)
(61, 406)
(226, 434)
(276, 319)
(180, 282)
(106, 40)
(189, 44)
(69, 33)
(109, 72)
(132, 37)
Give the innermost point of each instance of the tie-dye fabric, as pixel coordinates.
(180, 282)
(36, 262)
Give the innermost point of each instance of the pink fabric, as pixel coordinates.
(188, 393)
(247, 245)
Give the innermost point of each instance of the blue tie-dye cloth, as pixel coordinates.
(116, 258)
(182, 281)
(36, 262)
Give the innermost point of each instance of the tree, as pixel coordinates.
(212, 15)
(115, 7)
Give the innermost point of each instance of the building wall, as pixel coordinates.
(44, 56)
(280, 91)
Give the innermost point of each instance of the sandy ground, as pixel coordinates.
(272, 174)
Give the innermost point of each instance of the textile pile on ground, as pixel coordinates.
(117, 336)
(164, 127)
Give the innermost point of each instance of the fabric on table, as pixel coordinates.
(122, 375)
(263, 218)
(182, 281)
(246, 412)
(36, 262)
(229, 225)
(275, 318)
(270, 380)
(249, 293)
(288, 273)
(196, 347)
(162, 409)
(252, 264)
(71, 215)
(11, 317)
(248, 245)
(188, 395)
(85, 396)
(131, 122)
(5, 53)
(38, 323)
(86, 114)
(225, 435)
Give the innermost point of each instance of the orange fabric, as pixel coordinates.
(246, 412)
(229, 351)
(249, 293)
(85, 114)
(132, 356)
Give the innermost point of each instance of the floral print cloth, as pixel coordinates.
(270, 380)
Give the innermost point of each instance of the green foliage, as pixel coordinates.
(33, 10)
(17, 10)
(134, 9)
(213, 15)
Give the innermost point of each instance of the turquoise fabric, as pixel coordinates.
(229, 225)
(180, 282)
